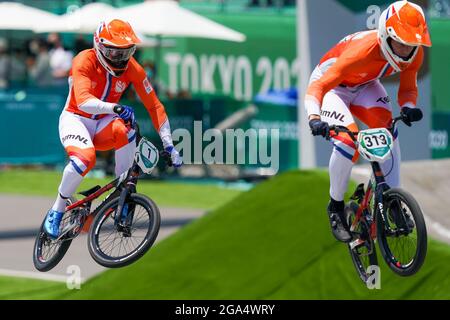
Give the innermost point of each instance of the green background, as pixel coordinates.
(270, 33)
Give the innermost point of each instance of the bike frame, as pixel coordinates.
(376, 188)
(93, 196)
(380, 187)
(125, 184)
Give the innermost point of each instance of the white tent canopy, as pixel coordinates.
(86, 20)
(17, 16)
(167, 18)
(155, 18)
(82, 20)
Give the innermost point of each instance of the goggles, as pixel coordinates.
(117, 55)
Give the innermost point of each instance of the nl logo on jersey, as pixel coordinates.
(147, 86)
(120, 86)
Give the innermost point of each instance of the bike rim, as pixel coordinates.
(362, 259)
(48, 248)
(401, 245)
(112, 244)
(361, 255)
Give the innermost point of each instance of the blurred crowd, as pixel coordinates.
(440, 8)
(271, 3)
(42, 62)
(45, 62)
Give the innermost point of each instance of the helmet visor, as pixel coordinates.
(401, 50)
(117, 55)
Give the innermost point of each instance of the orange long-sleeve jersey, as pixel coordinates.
(94, 92)
(357, 60)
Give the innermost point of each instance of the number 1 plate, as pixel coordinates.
(146, 156)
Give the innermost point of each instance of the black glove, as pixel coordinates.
(411, 115)
(126, 113)
(319, 128)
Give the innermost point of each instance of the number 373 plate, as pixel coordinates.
(375, 144)
(146, 156)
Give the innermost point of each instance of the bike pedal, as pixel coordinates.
(66, 230)
(359, 193)
(356, 243)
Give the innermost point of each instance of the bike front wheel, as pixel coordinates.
(402, 233)
(112, 244)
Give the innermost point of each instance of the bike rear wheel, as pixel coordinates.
(403, 237)
(114, 246)
(364, 256)
(47, 252)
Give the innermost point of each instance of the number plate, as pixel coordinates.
(375, 144)
(146, 156)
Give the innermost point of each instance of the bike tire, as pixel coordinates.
(151, 235)
(41, 237)
(359, 265)
(421, 231)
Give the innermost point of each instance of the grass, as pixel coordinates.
(22, 288)
(174, 194)
(272, 242)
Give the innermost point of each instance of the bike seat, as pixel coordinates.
(90, 191)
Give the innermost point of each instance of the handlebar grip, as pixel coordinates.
(118, 109)
(166, 156)
(338, 129)
(138, 132)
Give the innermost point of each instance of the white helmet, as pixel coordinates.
(405, 23)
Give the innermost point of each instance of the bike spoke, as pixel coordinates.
(120, 245)
(133, 241)
(142, 226)
(108, 234)
(105, 239)
(129, 245)
(139, 216)
(402, 247)
(111, 245)
(114, 244)
(49, 251)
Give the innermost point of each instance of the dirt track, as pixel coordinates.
(21, 216)
(428, 181)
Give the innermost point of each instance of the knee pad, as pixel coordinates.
(83, 160)
(122, 134)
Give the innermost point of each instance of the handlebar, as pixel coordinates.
(353, 134)
(136, 128)
(162, 153)
(166, 156)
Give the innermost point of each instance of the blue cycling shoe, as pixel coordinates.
(52, 222)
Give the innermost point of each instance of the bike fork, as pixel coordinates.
(379, 189)
(125, 210)
(122, 207)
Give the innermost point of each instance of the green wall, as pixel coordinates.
(241, 70)
(440, 87)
